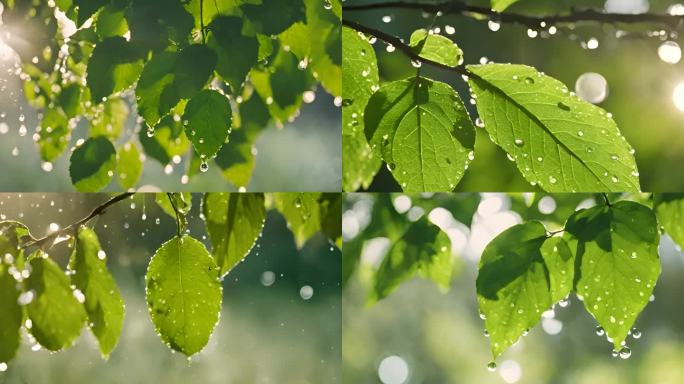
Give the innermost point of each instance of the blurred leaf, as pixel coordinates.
(436, 47)
(272, 17)
(237, 53)
(207, 120)
(462, 206)
(167, 140)
(103, 302)
(423, 249)
(512, 285)
(92, 164)
(236, 159)
(359, 79)
(182, 201)
(422, 131)
(114, 66)
(669, 208)
(54, 134)
(302, 212)
(170, 77)
(87, 8)
(70, 99)
(129, 165)
(10, 315)
(617, 255)
(560, 263)
(56, 316)
(331, 213)
(110, 119)
(184, 294)
(558, 141)
(111, 21)
(234, 223)
(501, 5)
(155, 24)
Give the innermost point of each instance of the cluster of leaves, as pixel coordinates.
(421, 129)
(207, 77)
(607, 255)
(183, 281)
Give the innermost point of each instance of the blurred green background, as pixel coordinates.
(267, 332)
(421, 335)
(640, 85)
(305, 155)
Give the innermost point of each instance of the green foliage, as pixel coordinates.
(103, 302)
(422, 130)
(184, 294)
(206, 54)
(183, 281)
(56, 315)
(92, 165)
(359, 81)
(501, 5)
(234, 222)
(670, 210)
(607, 255)
(129, 165)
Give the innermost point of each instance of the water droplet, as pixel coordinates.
(529, 80)
(592, 87)
(563, 106)
(552, 180)
(298, 202)
(204, 166)
(670, 52)
(327, 5)
(625, 353)
(519, 142)
(494, 26)
(600, 331)
(416, 63)
(491, 367)
(532, 33)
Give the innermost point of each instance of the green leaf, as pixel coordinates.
(282, 86)
(129, 165)
(302, 213)
(560, 262)
(87, 8)
(422, 131)
(669, 208)
(237, 53)
(182, 201)
(56, 315)
(110, 118)
(423, 249)
(167, 141)
(271, 17)
(501, 5)
(234, 223)
(512, 285)
(111, 20)
(92, 164)
(103, 302)
(156, 24)
(70, 99)
(170, 77)
(359, 80)
(236, 159)
(437, 48)
(330, 212)
(10, 315)
(114, 66)
(54, 134)
(207, 120)
(617, 255)
(558, 141)
(184, 294)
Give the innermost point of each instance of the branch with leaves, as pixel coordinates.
(183, 280)
(603, 248)
(205, 79)
(421, 129)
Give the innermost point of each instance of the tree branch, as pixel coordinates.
(403, 47)
(457, 7)
(70, 228)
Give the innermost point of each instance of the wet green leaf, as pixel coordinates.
(114, 66)
(237, 52)
(129, 165)
(92, 164)
(436, 47)
(10, 315)
(207, 120)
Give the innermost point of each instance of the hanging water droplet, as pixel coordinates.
(204, 166)
(636, 333)
(491, 367)
(416, 63)
(327, 5)
(600, 331)
(625, 353)
(532, 33)
(494, 26)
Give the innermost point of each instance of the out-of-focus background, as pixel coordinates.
(420, 335)
(641, 85)
(280, 321)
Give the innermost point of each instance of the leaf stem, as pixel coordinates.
(99, 210)
(457, 7)
(605, 197)
(201, 4)
(175, 209)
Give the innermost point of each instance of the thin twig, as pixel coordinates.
(458, 7)
(403, 47)
(74, 226)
